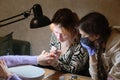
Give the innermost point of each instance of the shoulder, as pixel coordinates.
(113, 42)
(115, 36)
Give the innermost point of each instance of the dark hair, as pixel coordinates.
(97, 24)
(68, 20)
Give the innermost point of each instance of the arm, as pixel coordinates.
(93, 67)
(92, 60)
(115, 68)
(19, 60)
(13, 77)
(113, 54)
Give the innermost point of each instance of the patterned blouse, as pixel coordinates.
(74, 60)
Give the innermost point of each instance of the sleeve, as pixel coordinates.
(114, 60)
(14, 77)
(93, 71)
(115, 69)
(73, 61)
(15, 60)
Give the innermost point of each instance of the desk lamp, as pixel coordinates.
(39, 20)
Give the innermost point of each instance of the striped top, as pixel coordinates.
(74, 60)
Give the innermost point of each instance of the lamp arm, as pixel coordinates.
(25, 14)
(1, 25)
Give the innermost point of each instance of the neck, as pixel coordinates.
(65, 43)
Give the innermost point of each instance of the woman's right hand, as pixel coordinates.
(91, 50)
(45, 58)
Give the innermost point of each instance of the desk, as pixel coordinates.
(56, 75)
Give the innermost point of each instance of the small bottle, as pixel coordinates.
(62, 78)
(74, 77)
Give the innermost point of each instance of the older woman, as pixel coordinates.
(65, 38)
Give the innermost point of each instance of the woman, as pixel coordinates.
(65, 38)
(103, 46)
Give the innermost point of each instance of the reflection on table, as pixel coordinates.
(56, 75)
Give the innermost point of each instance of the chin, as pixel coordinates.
(61, 40)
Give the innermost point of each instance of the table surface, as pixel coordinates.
(56, 75)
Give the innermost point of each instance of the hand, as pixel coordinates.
(56, 53)
(54, 61)
(56, 57)
(91, 50)
(54, 50)
(45, 58)
(110, 78)
(4, 73)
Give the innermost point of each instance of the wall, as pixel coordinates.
(39, 38)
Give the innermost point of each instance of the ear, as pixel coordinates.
(51, 26)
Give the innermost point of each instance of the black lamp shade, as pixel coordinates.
(39, 19)
(39, 22)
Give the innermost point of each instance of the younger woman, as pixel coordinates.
(103, 46)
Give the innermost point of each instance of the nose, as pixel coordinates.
(82, 36)
(59, 36)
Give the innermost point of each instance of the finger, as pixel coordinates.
(52, 55)
(4, 63)
(1, 61)
(46, 53)
(53, 49)
(49, 58)
(43, 52)
(59, 51)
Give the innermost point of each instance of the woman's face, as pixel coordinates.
(58, 31)
(90, 37)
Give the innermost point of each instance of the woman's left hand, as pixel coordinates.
(110, 78)
(4, 73)
(45, 58)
